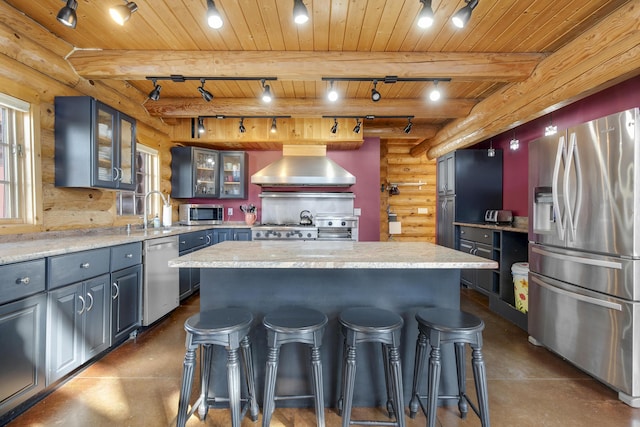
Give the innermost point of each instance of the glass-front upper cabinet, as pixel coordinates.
(233, 175)
(194, 172)
(94, 144)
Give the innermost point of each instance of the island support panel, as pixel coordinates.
(331, 291)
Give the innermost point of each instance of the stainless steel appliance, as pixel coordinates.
(337, 227)
(284, 232)
(498, 216)
(160, 292)
(584, 250)
(200, 214)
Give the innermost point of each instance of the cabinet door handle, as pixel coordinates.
(116, 177)
(85, 265)
(117, 288)
(91, 300)
(23, 280)
(83, 304)
(121, 175)
(128, 256)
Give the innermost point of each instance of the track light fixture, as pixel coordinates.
(241, 127)
(333, 94)
(67, 15)
(206, 95)
(461, 17)
(491, 152)
(300, 13)
(425, 18)
(375, 95)
(358, 126)
(274, 125)
(200, 125)
(123, 12)
(154, 95)
(334, 128)
(435, 94)
(407, 128)
(266, 93)
(214, 19)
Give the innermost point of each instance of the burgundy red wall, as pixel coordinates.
(621, 97)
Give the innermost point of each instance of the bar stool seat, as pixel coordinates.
(439, 326)
(370, 324)
(227, 327)
(293, 325)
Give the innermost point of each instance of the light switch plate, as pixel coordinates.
(229, 211)
(423, 210)
(357, 211)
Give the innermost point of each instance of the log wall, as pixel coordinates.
(398, 167)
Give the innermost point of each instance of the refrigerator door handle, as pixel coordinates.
(559, 220)
(573, 158)
(578, 259)
(590, 300)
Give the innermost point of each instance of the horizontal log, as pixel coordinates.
(596, 59)
(305, 107)
(304, 66)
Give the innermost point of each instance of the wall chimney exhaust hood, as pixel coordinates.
(303, 166)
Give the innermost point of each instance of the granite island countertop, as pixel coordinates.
(330, 255)
(25, 247)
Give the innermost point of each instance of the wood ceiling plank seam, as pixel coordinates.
(175, 23)
(337, 24)
(504, 18)
(193, 18)
(413, 33)
(550, 20)
(321, 12)
(236, 22)
(149, 26)
(254, 16)
(355, 22)
(390, 16)
(288, 27)
(405, 26)
(371, 21)
(446, 30)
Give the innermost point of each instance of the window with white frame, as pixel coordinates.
(17, 197)
(147, 176)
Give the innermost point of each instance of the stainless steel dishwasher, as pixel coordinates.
(160, 292)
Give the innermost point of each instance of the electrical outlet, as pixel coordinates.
(357, 211)
(423, 210)
(229, 211)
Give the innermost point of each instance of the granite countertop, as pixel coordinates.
(330, 254)
(25, 247)
(516, 228)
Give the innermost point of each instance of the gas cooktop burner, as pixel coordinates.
(284, 232)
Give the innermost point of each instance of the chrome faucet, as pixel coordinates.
(146, 196)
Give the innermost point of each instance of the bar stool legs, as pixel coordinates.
(294, 325)
(225, 327)
(436, 327)
(373, 325)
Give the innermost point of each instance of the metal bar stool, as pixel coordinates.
(439, 326)
(293, 325)
(369, 324)
(227, 327)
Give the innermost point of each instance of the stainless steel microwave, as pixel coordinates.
(200, 214)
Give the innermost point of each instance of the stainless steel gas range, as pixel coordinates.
(306, 216)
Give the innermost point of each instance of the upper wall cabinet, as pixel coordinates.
(203, 173)
(95, 145)
(234, 175)
(194, 173)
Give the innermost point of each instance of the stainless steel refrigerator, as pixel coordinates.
(584, 248)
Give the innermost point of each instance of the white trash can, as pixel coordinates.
(520, 273)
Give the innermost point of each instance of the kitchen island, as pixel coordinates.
(331, 276)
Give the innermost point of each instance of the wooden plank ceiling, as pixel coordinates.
(502, 44)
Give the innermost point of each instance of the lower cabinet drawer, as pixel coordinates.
(21, 279)
(77, 266)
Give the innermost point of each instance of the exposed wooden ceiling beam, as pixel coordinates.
(587, 64)
(194, 107)
(290, 65)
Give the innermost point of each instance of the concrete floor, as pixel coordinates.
(138, 384)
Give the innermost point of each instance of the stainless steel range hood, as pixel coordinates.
(303, 166)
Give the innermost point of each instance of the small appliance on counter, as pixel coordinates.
(200, 214)
(498, 216)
